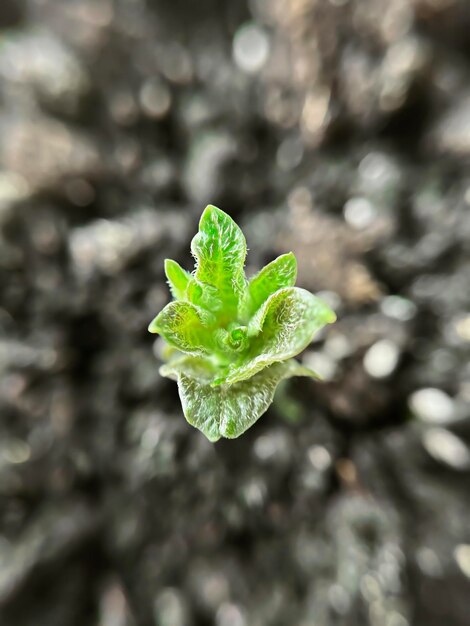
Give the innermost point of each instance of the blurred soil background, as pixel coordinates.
(339, 129)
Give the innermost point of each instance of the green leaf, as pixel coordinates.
(229, 342)
(192, 366)
(229, 410)
(184, 286)
(283, 327)
(178, 279)
(220, 250)
(184, 326)
(282, 272)
(203, 295)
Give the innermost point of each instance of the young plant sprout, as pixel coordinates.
(232, 340)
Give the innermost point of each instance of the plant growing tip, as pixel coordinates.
(233, 339)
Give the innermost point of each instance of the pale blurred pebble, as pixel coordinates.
(432, 405)
(229, 615)
(250, 48)
(338, 346)
(273, 446)
(359, 213)
(15, 451)
(462, 327)
(398, 308)
(339, 599)
(320, 363)
(462, 557)
(289, 154)
(155, 98)
(396, 619)
(319, 457)
(429, 562)
(170, 608)
(381, 359)
(447, 448)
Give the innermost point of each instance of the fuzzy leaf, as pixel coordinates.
(184, 286)
(283, 327)
(203, 295)
(183, 326)
(178, 279)
(220, 250)
(231, 342)
(193, 366)
(282, 272)
(229, 410)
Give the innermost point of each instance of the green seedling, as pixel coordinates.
(232, 340)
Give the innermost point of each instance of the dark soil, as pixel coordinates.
(339, 129)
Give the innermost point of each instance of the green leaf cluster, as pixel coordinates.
(233, 340)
